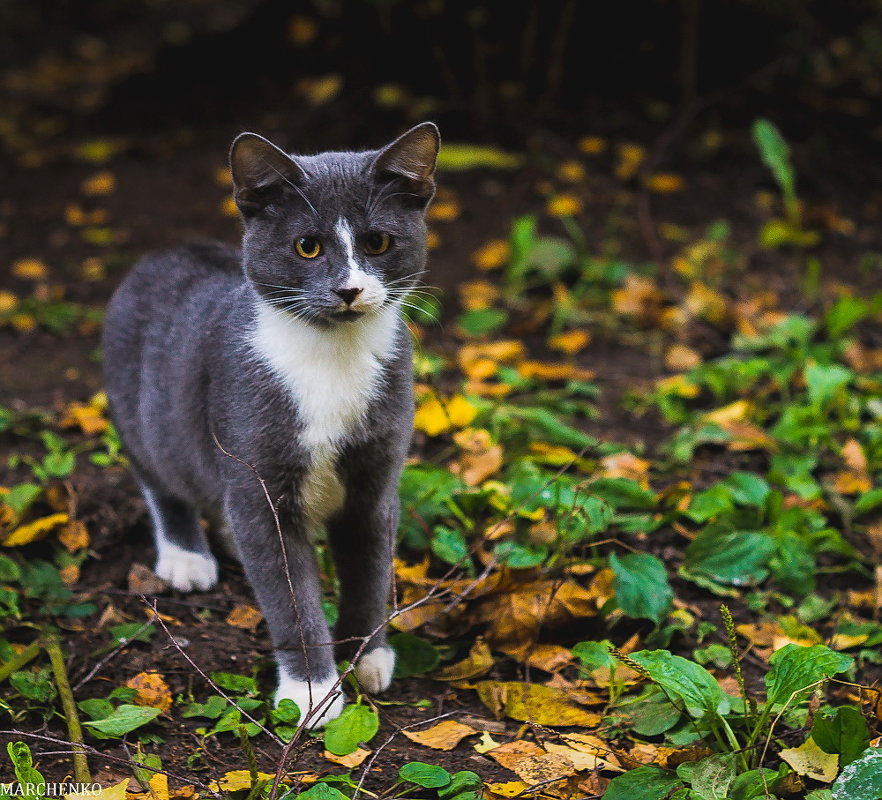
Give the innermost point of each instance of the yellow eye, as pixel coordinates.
(308, 247)
(376, 243)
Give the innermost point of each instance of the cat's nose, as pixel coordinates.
(347, 295)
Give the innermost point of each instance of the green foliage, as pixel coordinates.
(357, 724)
(861, 779)
(122, 720)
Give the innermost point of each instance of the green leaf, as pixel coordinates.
(712, 777)
(868, 501)
(623, 493)
(844, 732)
(641, 586)
(709, 504)
(462, 782)
(322, 791)
(286, 712)
(643, 783)
(20, 497)
(36, 685)
(862, 779)
(413, 655)
(775, 153)
(23, 764)
(428, 776)
(235, 683)
(737, 558)
(757, 783)
(482, 321)
(9, 570)
(687, 685)
(450, 545)
(844, 315)
(132, 632)
(595, 655)
(824, 381)
(355, 725)
(520, 556)
(212, 708)
(653, 715)
(456, 156)
(96, 707)
(747, 489)
(123, 720)
(795, 668)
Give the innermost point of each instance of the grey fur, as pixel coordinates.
(184, 381)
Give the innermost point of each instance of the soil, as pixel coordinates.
(167, 192)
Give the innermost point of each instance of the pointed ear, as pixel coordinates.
(412, 157)
(260, 171)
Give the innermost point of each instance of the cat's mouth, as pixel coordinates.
(347, 314)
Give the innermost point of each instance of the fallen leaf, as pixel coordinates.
(665, 183)
(444, 736)
(570, 342)
(101, 183)
(681, 358)
(564, 205)
(486, 743)
(625, 465)
(436, 416)
(630, 157)
(142, 580)
(543, 768)
(74, 536)
(475, 295)
(321, 89)
(508, 754)
(592, 145)
(351, 760)
(549, 371)
(535, 703)
(507, 788)
(237, 779)
(477, 662)
(444, 210)
(30, 269)
(808, 759)
(492, 255)
(245, 617)
(549, 657)
(152, 690)
(115, 792)
(85, 416)
(25, 534)
(638, 297)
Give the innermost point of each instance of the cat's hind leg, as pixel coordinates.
(183, 557)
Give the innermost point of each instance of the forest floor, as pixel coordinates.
(648, 392)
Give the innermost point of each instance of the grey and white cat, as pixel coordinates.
(287, 363)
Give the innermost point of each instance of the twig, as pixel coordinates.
(81, 764)
(122, 645)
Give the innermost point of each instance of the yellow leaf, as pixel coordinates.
(543, 768)
(245, 617)
(582, 745)
(223, 177)
(101, 183)
(570, 342)
(571, 172)
(237, 779)
(549, 371)
(681, 358)
(88, 418)
(351, 760)
(592, 145)
(435, 416)
(549, 657)
(475, 295)
(69, 574)
(8, 301)
(473, 358)
(638, 297)
(564, 205)
(625, 465)
(158, 787)
(665, 183)
(92, 269)
(809, 760)
(444, 736)
(492, 255)
(302, 30)
(152, 690)
(734, 412)
(25, 534)
(543, 705)
(477, 662)
(115, 792)
(390, 95)
(412, 573)
(444, 210)
(30, 269)
(702, 301)
(508, 754)
(229, 207)
(321, 89)
(630, 158)
(74, 536)
(486, 743)
(508, 788)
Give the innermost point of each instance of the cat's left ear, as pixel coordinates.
(260, 172)
(412, 157)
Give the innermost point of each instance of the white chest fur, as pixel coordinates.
(332, 375)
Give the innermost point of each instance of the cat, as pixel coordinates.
(274, 386)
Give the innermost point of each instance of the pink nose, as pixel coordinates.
(347, 295)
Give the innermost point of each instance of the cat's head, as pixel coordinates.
(334, 237)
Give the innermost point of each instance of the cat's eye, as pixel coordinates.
(376, 243)
(308, 247)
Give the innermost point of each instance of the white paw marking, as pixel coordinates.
(183, 569)
(325, 695)
(374, 670)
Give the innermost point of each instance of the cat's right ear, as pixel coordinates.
(260, 172)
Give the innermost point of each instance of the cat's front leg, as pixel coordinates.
(290, 601)
(362, 536)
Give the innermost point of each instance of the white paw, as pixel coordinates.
(374, 670)
(326, 696)
(185, 570)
